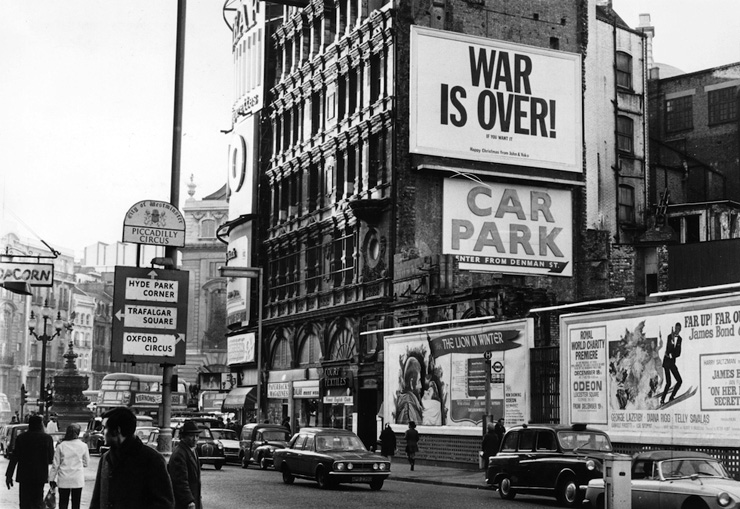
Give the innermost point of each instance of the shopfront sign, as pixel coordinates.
(240, 348)
(35, 274)
(278, 390)
(308, 389)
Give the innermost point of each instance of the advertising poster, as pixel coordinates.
(438, 378)
(664, 373)
(486, 100)
(508, 228)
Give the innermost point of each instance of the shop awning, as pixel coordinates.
(240, 397)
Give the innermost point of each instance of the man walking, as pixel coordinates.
(184, 468)
(130, 475)
(33, 453)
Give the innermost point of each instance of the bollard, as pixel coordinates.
(618, 481)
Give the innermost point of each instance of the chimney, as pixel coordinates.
(649, 30)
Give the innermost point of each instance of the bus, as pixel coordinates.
(141, 393)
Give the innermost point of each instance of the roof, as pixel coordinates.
(554, 427)
(314, 431)
(663, 454)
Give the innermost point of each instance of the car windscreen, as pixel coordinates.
(584, 441)
(326, 443)
(686, 467)
(224, 435)
(275, 435)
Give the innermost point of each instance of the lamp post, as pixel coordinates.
(33, 324)
(252, 273)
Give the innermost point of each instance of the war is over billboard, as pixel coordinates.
(482, 99)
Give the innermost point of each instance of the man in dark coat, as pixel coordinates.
(130, 475)
(387, 442)
(184, 469)
(33, 453)
(490, 443)
(672, 352)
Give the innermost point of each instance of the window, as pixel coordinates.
(625, 134)
(343, 268)
(722, 105)
(310, 351)
(624, 70)
(208, 229)
(626, 204)
(343, 346)
(679, 113)
(281, 358)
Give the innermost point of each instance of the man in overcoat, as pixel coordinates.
(184, 468)
(130, 475)
(33, 453)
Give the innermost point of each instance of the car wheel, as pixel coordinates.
(599, 504)
(218, 465)
(245, 461)
(567, 492)
(322, 478)
(263, 462)
(694, 503)
(288, 477)
(376, 484)
(505, 490)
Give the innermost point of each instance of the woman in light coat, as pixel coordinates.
(71, 457)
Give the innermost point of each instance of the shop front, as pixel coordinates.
(293, 393)
(242, 401)
(338, 397)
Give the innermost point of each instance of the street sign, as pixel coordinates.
(35, 274)
(150, 312)
(156, 223)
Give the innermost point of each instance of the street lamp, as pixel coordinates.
(33, 323)
(251, 273)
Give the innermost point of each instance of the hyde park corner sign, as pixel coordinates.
(156, 223)
(150, 315)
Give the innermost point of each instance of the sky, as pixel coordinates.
(86, 103)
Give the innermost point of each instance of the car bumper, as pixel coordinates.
(357, 477)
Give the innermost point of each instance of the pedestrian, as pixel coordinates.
(286, 425)
(71, 458)
(412, 443)
(387, 442)
(490, 443)
(184, 468)
(52, 426)
(500, 429)
(33, 452)
(130, 475)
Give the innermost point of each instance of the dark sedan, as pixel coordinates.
(331, 456)
(210, 451)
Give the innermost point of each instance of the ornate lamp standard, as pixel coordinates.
(33, 323)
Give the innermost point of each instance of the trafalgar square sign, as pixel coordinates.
(156, 223)
(150, 314)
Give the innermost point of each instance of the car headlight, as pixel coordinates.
(375, 466)
(339, 466)
(220, 445)
(384, 466)
(350, 466)
(724, 499)
(591, 465)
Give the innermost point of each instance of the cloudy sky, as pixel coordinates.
(86, 102)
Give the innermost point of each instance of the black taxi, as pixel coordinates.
(548, 459)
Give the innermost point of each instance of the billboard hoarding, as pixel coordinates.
(486, 100)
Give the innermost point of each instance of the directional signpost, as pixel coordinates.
(150, 314)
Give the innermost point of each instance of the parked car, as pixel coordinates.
(331, 456)
(210, 451)
(675, 479)
(13, 432)
(93, 435)
(143, 432)
(230, 440)
(546, 459)
(259, 441)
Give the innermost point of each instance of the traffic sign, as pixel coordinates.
(149, 315)
(156, 223)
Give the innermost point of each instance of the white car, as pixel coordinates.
(230, 440)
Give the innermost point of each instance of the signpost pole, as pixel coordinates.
(488, 391)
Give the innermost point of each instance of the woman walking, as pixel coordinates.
(412, 443)
(71, 457)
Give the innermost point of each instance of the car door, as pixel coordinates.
(645, 485)
(293, 454)
(307, 458)
(545, 463)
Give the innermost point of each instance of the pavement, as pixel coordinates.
(432, 474)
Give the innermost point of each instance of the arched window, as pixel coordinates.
(342, 345)
(624, 70)
(310, 351)
(208, 229)
(281, 358)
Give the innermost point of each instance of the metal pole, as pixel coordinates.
(42, 389)
(259, 346)
(165, 436)
(488, 394)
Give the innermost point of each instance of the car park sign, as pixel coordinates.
(149, 315)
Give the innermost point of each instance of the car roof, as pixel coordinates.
(254, 425)
(555, 427)
(662, 454)
(333, 431)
